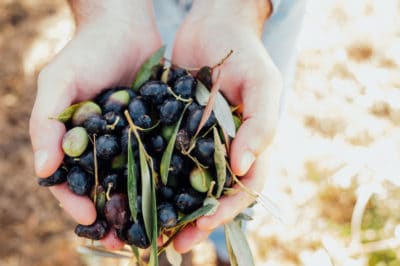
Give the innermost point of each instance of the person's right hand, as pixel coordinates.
(113, 39)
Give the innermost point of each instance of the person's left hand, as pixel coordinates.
(248, 77)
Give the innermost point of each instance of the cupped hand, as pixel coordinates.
(248, 77)
(111, 42)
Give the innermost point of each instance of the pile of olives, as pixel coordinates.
(99, 138)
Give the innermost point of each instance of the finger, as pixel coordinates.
(80, 208)
(261, 97)
(231, 206)
(111, 241)
(55, 92)
(188, 238)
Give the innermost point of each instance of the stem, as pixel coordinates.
(220, 63)
(96, 174)
(178, 97)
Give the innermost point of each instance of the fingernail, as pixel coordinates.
(40, 160)
(247, 160)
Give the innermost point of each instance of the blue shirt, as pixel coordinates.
(279, 36)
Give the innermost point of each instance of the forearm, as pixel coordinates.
(251, 13)
(87, 11)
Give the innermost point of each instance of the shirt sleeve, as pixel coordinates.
(280, 35)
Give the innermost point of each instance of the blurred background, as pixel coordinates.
(334, 169)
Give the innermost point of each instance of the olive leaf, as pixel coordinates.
(132, 181)
(205, 209)
(68, 112)
(211, 201)
(243, 217)
(240, 247)
(102, 252)
(232, 257)
(223, 114)
(210, 104)
(146, 192)
(173, 257)
(166, 158)
(201, 93)
(154, 231)
(221, 108)
(135, 252)
(144, 72)
(220, 162)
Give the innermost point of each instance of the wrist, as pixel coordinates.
(128, 11)
(248, 13)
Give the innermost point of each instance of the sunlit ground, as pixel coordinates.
(334, 169)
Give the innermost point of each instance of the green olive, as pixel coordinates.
(75, 141)
(200, 179)
(85, 111)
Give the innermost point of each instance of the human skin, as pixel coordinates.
(113, 38)
(248, 77)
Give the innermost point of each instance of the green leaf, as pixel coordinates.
(220, 162)
(205, 209)
(211, 201)
(239, 244)
(132, 181)
(173, 257)
(144, 72)
(102, 252)
(146, 192)
(202, 94)
(166, 158)
(135, 252)
(154, 232)
(223, 114)
(232, 257)
(68, 112)
(243, 217)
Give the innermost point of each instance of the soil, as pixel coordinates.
(35, 231)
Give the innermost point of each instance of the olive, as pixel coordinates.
(184, 86)
(107, 147)
(124, 140)
(114, 182)
(166, 193)
(170, 111)
(167, 215)
(75, 141)
(156, 144)
(84, 111)
(137, 108)
(115, 121)
(182, 141)
(95, 125)
(59, 176)
(143, 121)
(155, 92)
(200, 179)
(136, 235)
(79, 181)
(117, 211)
(86, 161)
(95, 231)
(204, 151)
(187, 202)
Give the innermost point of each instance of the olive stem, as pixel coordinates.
(109, 186)
(133, 127)
(220, 63)
(112, 127)
(96, 174)
(178, 97)
(211, 188)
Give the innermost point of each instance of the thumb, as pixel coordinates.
(261, 97)
(55, 93)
